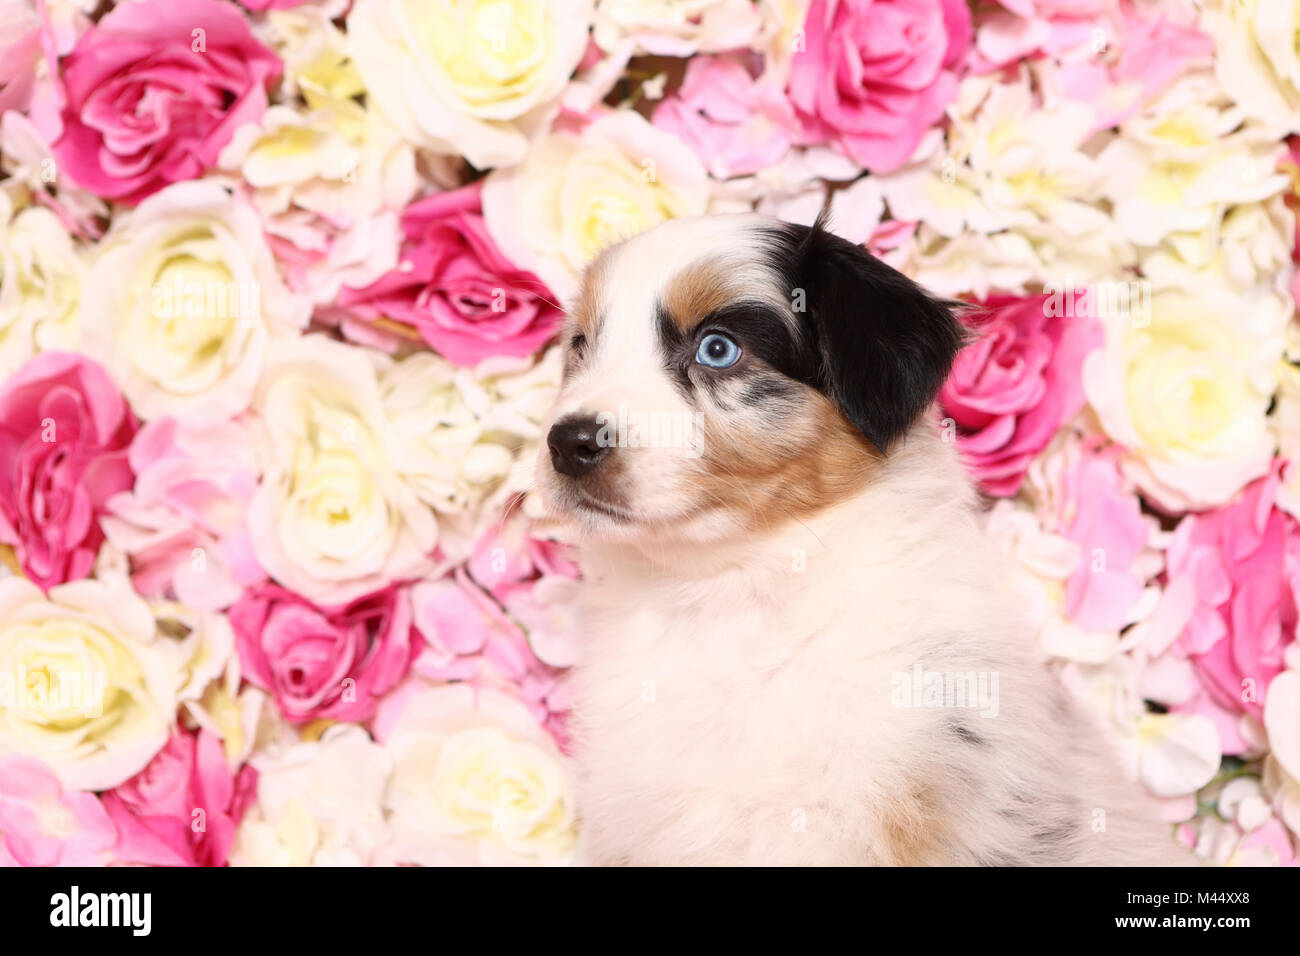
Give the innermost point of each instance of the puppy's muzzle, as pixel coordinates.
(575, 448)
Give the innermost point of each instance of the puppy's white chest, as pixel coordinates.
(713, 725)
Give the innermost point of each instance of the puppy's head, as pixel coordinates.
(727, 373)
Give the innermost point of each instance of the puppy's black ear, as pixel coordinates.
(885, 346)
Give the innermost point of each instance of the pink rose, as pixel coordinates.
(1143, 57)
(1229, 596)
(184, 523)
(534, 580)
(1029, 28)
(506, 558)
(876, 74)
(43, 825)
(323, 663)
(1103, 516)
(154, 92)
(453, 285)
(64, 434)
(183, 808)
(1014, 385)
(21, 51)
(466, 635)
(735, 124)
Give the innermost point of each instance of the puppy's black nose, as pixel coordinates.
(574, 448)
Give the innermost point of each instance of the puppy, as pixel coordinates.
(799, 646)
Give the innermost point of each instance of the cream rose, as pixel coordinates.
(336, 158)
(574, 195)
(1250, 245)
(87, 684)
(466, 437)
(677, 28)
(1185, 389)
(332, 519)
(472, 77)
(1178, 164)
(1256, 59)
(318, 803)
(40, 295)
(1008, 163)
(1285, 421)
(1282, 723)
(182, 302)
(474, 780)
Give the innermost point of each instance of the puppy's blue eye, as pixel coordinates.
(717, 351)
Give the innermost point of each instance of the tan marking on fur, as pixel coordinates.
(914, 827)
(586, 311)
(696, 291)
(819, 460)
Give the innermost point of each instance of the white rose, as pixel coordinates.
(40, 295)
(182, 301)
(973, 262)
(318, 803)
(795, 190)
(336, 157)
(473, 77)
(1008, 162)
(1250, 245)
(1282, 723)
(574, 195)
(332, 519)
(204, 643)
(1256, 60)
(87, 684)
(679, 28)
(467, 437)
(1185, 389)
(1177, 753)
(1018, 171)
(1285, 421)
(475, 780)
(28, 161)
(1178, 164)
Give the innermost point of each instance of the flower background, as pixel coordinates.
(279, 286)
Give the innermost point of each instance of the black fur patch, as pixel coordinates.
(768, 341)
(965, 734)
(883, 346)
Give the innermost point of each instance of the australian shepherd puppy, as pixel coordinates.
(799, 645)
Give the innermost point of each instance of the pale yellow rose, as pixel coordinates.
(332, 518)
(318, 803)
(1185, 387)
(466, 438)
(87, 683)
(41, 275)
(574, 195)
(1186, 157)
(182, 302)
(336, 157)
(476, 78)
(1256, 57)
(1285, 421)
(682, 27)
(475, 780)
